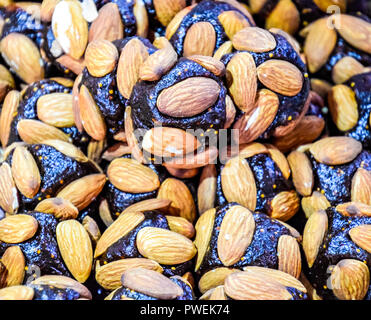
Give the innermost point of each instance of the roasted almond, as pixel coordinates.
(350, 279)
(25, 172)
(314, 233)
(91, 227)
(8, 191)
(189, 97)
(181, 225)
(151, 283)
(9, 109)
(47, 9)
(242, 80)
(173, 25)
(225, 48)
(317, 201)
(302, 173)
(285, 205)
(129, 175)
(206, 191)
(232, 22)
(209, 63)
(75, 65)
(141, 17)
(324, 4)
(61, 208)
(289, 258)
(235, 235)
(230, 112)
(335, 150)
(238, 183)
(14, 261)
(285, 16)
(149, 205)
(136, 151)
(169, 142)
(16, 293)
(91, 117)
(68, 149)
(361, 236)
(109, 275)
(361, 186)
(17, 228)
(351, 209)
(100, 57)
(254, 39)
(70, 28)
(167, 9)
(346, 68)
(192, 161)
(200, 39)
(280, 160)
(83, 191)
(214, 278)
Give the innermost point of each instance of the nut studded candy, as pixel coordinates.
(132, 183)
(268, 83)
(56, 173)
(350, 108)
(257, 178)
(142, 237)
(35, 242)
(146, 284)
(206, 28)
(230, 238)
(336, 243)
(44, 110)
(48, 287)
(338, 47)
(330, 171)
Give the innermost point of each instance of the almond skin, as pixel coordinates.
(284, 16)
(232, 22)
(354, 209)
(10, 106)
(62, 209)
(206, 191)
(289, 259)
(285, 205)
(167, 9)
(346, 68)
(181, 225)
(254, 39)
(14, 261)
(209, 63)
(317, 201)
(200, 39)
(214, 278)
(189, 97)
(100, 57)
(361, 236)
(8, 191)
(302, 173)
(17, 228)
(361, 186)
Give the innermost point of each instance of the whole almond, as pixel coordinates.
(165, 246)
(289, 258)
(8, 191)
(22, 55)
(149, 205)
(91, 116)
(181, 225)
(174, 24)
(209, 63)
(350, 279)
(9, 108)
(254, 39)
(242, 79)
(302, 173)
(343, 107)
(335, 150)
(238, 183)
(75, 247)
(189, 97)
(169, 142)
(167, 9)
(16, 293)
(285, 16)
(361, 186)
(206, 191)
(280, 160)
(70, 28)
(225, 48)
(361, 236)
(214, 278)
(100, 57)
(346, 68)
(285, 205)
(47, 9)
(142, 19)
(314, 233)
(14, 261)
(25, 172)
(230, 112)
(118, 229)
(61, 208)
(354, 209)
(317, 201)
(151, 283)
(83, 191)
(75, 65)
(109, 275)
(17, 228)
(232, 22)
(129, 175)
(235, 235)
(200, 39)
(68, 149)
(136, 151)
(324, 4)
(204, 228)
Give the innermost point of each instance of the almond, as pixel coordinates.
(302, 173)
(17, 228)
(343, 107)
(214, 278)
(242, 80)
(236, 233)
(335, 150)
(47, 9)
(350, 279)
(254, 39)
(68, 149)
(14, 261)
(75, 103)
(75, 65)
(324, 4)
(8, 191)
(141, 17)
(346, 68)
(317, 201)
(232, 22)
(204, 229)
(167, 9)
(200, 39)
(109, 275)
(22, 55)
(289, 258)
(361, 186)
(169, 142)
(192, 161)
(285, 205)
(83, 191)
(280, 160)
(136, 152)
(206, 192)
(9, 109)
(108, 25)
(209, 63)
(321, 87)
(131, 59)
(230, 112)
(174, 24)
(351, 209)
(62, 209)
(181, 225)
(284, 16)
(225, 48)
(238, 183)
(151, 283)
(165, 246)
(149, 205)
(100, 57)
(129, 175)
(361, 236)
(16, 293)
(314, 233)
(182, 203)
(70, 28)
(188, 97)
(56, 109)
